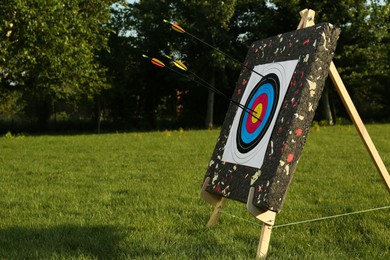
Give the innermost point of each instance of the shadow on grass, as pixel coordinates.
(102, 242)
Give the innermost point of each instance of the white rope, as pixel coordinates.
(329, 217)
(240, 218)
(309, 220)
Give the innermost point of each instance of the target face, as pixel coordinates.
(251, 131)
(262, 103)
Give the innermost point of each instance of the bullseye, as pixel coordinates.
(258, 109)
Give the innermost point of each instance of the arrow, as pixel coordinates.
(179, 29)
(199, 80)
(181, 66)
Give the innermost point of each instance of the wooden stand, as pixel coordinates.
(267, 216)
(307, 19)
(357, 121)
(268, 219)
(217, 201)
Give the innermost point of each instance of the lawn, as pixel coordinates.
(136, 196)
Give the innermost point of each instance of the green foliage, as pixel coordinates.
(10, 104)
(232, 26)
(136, 196)
(364, 59)
(209, 21)
(88, 56)
(48, 48)
(9, 135)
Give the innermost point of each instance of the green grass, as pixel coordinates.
(136, 196)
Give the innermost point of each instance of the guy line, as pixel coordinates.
(308, 220)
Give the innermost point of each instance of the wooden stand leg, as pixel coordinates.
(340, 87)
(216, 213)
(265, 238)
(307, 19)
(268, 219)
(217, 201)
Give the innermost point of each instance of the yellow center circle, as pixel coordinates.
(258, 109)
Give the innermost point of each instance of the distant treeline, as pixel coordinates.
(78, 65)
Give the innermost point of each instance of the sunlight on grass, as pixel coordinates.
(136, 195)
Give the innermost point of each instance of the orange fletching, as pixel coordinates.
(157, 62)
(177, 28)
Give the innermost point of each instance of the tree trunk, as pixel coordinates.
(210, 103)
(98, 115)
(210, 110)
(44, 109)
(327, 112)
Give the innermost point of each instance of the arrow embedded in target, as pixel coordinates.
(198, 79)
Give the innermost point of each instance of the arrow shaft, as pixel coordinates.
(205, 84)
(222, 94)
(223, 53)
(198, 80)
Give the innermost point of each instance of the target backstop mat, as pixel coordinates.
(280, 85)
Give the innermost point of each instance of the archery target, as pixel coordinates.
(251, 130)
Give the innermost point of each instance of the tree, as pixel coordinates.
(48, 49)
(231, 26)
(208, 20)
(365, 58)
(149, 89)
